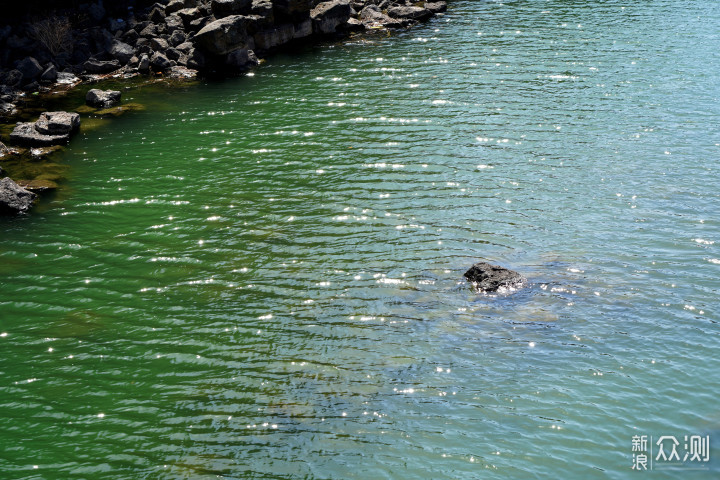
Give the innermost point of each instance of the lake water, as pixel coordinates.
(262, 277)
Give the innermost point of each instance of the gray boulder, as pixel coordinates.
(174, 22)
(159, 44)
(411, 13)
(99, 67)
(160, 62)
(327, 16)
(177, 38)
(30, 68)
(13, 198)
(102, 98)
(225, 35)
(224, 8)
(436, 7)
(144, 63)
(489, 278)
(52, 128)
(122, 51)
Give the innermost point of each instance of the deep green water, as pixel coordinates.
(262, 277)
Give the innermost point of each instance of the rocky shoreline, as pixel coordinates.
(169, 39)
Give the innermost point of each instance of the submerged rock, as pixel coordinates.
(38, 185)
(489, 278)
(102, 98)
(14, 198)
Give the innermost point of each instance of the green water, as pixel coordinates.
(262, 277)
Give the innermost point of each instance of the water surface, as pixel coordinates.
(262, 277)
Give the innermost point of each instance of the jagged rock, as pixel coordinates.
(327, 16)
(102, 98)
(52, 128)
(274, 37)
(159, 44)
(173, 23)
(14, 198)
(144, 63)
(241, 59)
(412, 13)
(50, 74)
(99, 66)
(160, 62)
(489, 278)
(122, 51)
(185, 47)
(30, 68)
(66, 78)
(188, 15)
(196, 59)
(177, 38)
(174, 54)
(371, 16)
(175, 5)
(157, 15)
(264, 10)
(225, 35)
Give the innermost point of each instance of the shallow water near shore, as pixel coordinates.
(262, 277)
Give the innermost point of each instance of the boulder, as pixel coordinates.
(189, 14)
(160, 62)
(224, 8)
(264, 10)
(157, 15)
(99, 67)
(52, 128)
(175, 5)
(241, 59)
(173, 23)
(144, 63)
(489, 278)
(274, 37)
(411, 13)
(177, 38)
(102, 98)
(159, 44)
(14, 198)
(13, 78)
(122, 51)
(225, 35)
(303, 29)
(30, 68)
(327, 16)
(50, 74)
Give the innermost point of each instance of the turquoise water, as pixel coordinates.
(262, 277)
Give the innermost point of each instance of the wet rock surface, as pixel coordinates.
(13, 198)
(488, 278)
(52, 128)
(102, 98)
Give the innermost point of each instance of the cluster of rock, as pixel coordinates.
(181, 37)
(52, 128)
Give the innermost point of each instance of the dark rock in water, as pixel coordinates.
(412, 13)
(99, 66)
(274, 37)
(491, 278)
(241, 59)
(102, 98)
(52, 128)
(291, 10)
(225, 35)
(328, 16)
(14, 198)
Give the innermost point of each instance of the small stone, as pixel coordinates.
(13, 198)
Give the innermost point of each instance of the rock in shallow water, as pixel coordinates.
(102, 98)
(489, 278)
(14, 198)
